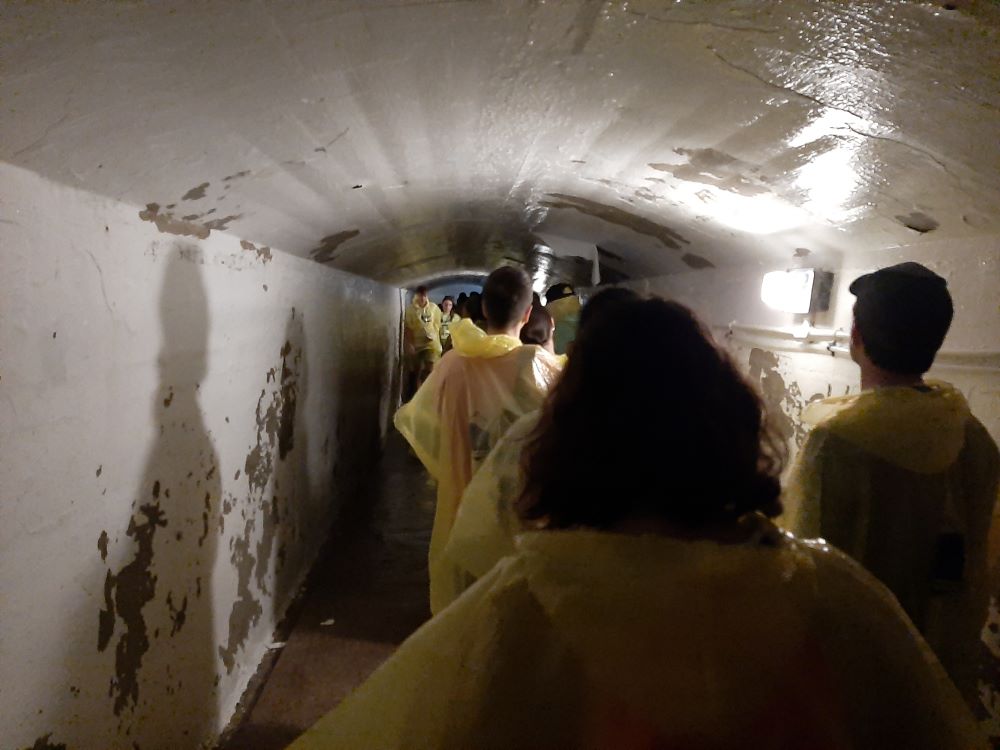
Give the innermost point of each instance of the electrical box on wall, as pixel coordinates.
(797, 290)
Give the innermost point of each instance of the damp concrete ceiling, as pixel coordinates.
(410, 140)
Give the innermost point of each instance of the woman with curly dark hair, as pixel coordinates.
(656, 606)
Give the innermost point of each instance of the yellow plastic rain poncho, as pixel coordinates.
(472, 397)
(905, 482)
(586, 639)
(486, 523)
(565, 314)
(424, 326)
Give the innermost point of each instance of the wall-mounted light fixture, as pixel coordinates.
(798, 290)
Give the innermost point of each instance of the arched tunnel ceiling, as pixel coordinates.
(406, 140)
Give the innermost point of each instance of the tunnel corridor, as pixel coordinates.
(211, 215)
(364, 597)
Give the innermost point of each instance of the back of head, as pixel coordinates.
(506, 296)
(903, 313)
(650, 419)
(474, 307)
(604, 301)
(538, 329)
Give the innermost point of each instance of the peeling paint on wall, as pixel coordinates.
(45, 743)
(195, 193)
(784, 403)
(125, 595)
(246, 609)
(275, 417)
(263, 253)
(169, 224)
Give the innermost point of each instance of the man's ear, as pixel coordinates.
(527, 314)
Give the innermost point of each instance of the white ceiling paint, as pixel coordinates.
(421, 138)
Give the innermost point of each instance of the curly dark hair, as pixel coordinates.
(650, 419)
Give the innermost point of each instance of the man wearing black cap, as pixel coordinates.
(564, 306)
(901, 476)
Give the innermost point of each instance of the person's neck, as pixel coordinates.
(873, 377)
(514, 331)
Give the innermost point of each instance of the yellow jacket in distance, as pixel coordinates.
(587, 639)
(423, 325)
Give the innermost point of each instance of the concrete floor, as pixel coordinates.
(372, 584)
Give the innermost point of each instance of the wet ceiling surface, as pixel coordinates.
(409, 140)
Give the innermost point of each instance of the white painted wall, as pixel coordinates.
(233, 394)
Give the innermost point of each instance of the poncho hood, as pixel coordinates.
(468, 340)
(920, 430)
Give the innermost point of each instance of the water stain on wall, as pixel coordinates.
(670, 238)
(325, 251)
(102, 545)
(125, 595)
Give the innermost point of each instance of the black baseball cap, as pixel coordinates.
(903, 313)
(558, 291)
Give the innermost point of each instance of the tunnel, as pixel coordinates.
(211, 213)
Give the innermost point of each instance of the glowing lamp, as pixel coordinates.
(798, 290)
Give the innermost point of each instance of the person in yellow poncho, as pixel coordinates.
(422, 330)
(486, 523)
(563, 304)
(656, 606)
(477, 391)
(901, 476)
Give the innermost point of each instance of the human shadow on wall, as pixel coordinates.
(158, 607)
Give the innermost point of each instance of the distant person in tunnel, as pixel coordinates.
(423, 337)
(654, 604)
(902, 476)
(478, 390)
(474, 310)
(563, 305)
(448, 318)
